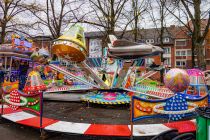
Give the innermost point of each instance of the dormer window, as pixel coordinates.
(149, 41)
(166, 40)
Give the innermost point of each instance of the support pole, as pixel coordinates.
(41, 112)
(5, 63)
(2, 104)
(2, 95)
(10, 68)
(131, 117)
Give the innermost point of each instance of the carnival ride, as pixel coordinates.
(16, 63)
(18, 51)
(70, 49)
(70, 52)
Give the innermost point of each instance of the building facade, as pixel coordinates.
(207, 50)
(177, 45)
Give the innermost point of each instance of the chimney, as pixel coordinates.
(172, 26)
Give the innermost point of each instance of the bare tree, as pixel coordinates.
(9, 11)
(138, 8)
(109, 15)
(54, 16)
(105, 14)
(196, 25)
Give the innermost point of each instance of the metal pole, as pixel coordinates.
(41, 111)
(2, 104)
(2, 100)
(41, 95)
(131, 117)
(5, 64)
(10, 68)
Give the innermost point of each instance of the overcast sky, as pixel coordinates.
(145, 20)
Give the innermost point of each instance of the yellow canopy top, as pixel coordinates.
(75, 34)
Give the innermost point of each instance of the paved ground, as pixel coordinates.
(94, 113)
(11, 131)
(74, 112)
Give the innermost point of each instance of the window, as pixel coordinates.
(181, 53)
(166, 40)
(150, 41)
(167, 61)
(148, 61)
(178, 53)
(189, 52)
(180, 42)
(180, 63)
(167, 50)
(207, 62)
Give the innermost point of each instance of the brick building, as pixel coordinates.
(42, 41)
(207, 50)
(182, 48)
(176, 44)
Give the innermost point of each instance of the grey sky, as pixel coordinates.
(145, 20)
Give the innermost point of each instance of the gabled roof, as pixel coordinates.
(143, 34)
